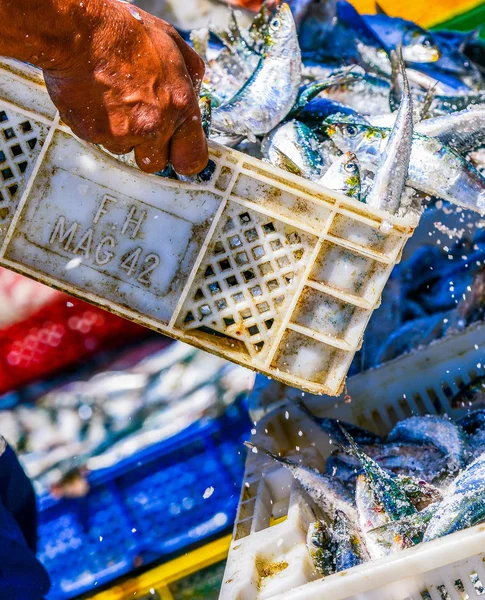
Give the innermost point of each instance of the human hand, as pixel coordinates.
(131, 82)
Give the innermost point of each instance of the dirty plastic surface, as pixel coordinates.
(258, 266)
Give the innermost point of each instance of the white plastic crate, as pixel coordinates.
(259, 266)
(268, 558)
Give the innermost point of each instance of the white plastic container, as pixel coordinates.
(268, 558)
(258, 266)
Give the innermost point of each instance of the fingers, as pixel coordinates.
(188, 148)
(194, 64)
(152, 156)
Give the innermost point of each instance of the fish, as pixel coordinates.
(441, 432)
(434, 168)
(350, 549)
(321, 548)
(463, 130)
(343, 176)
(353, 39)
(392, 172)
(316, 113)
(328, 493)
(297, 142)
(271, 91)
(464, 505)
(419, 492)
(310, 90)
(384, 486)
(368, 95)
(418, 460)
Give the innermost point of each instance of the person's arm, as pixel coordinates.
(119, 76)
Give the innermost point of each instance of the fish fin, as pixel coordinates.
(284, 162)
(380, 10)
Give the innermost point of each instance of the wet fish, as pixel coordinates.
(419, 460)
(464, 505)
(350, 549)
(392, 172)
(368, 95)
(269, 94)
(343, 176)
(434, 169)
(418, 45)
(328, 493)
(441, 432)
(310, 90)
(295, 141)
(384, 486)
(463, 131)
(321, 548)
(317, 112)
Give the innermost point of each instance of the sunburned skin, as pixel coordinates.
(119, 77)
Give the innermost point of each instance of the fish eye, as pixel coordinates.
(350, 167)
(275, 23)
(351, 130)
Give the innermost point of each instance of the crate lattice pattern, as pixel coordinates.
(247, 280)
(21, 140)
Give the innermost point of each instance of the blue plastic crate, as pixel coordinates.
(146, 507)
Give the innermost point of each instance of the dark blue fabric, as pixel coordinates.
(22, 577)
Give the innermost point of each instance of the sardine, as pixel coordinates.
(442, 433)
(392, 172)
(328, 493)
(385, 487)
(299, 144)
(464, 505)
(321, 548)
(434, 169)
(271, 91)
(418, 45)
(350, 549)
(343, 176)
(463, 130)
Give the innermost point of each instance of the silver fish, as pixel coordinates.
(464, 505)
(327, 492)
(320, 547)
(344, 176)
(433, 168)
(418, 45)
(350, 549)
(463, 131)
(299, 144)
(439, 431)
(392, 173)
(269, 94)
(369, 95)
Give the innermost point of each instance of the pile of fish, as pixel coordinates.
(436, 292)
(371, 106)
(88, 425)
(378, 495)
